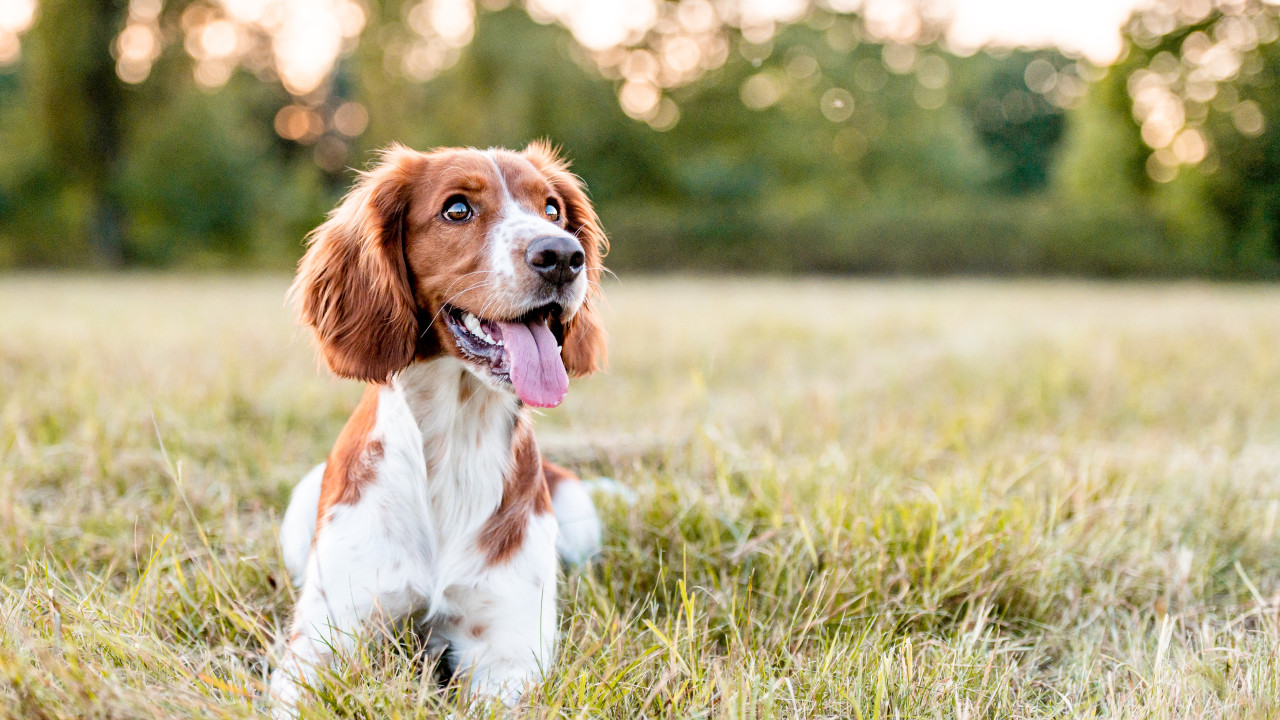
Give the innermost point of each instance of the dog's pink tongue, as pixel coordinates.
(537, 371)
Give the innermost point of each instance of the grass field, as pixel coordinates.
(853, 500)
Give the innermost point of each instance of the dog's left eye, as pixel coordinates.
(552, 210)
(457, 209)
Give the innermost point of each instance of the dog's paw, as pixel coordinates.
(284, 696)
(500, 685)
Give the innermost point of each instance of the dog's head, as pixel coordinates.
(491, 256)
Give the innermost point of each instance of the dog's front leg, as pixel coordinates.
(343, 595)
(504, 636)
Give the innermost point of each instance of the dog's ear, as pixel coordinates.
(352, 286)
(585, 348)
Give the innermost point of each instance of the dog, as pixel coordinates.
(463, 286)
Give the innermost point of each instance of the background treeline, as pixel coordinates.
(992, 178)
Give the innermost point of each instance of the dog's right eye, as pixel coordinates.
(457, 209)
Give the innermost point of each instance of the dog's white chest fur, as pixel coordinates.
(411, 544)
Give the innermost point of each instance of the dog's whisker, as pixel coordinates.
(461, 277)
(449, 301)
(602, 268)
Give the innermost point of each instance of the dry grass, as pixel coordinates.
(856, 500)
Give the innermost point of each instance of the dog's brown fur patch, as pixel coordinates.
(353, 461)
(524, 493)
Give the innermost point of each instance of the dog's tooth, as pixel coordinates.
(472, 324)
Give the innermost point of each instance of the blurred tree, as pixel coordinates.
(1103, 161)
(1017, 125)
(710, 137)
(77, 108)
(1186, 114)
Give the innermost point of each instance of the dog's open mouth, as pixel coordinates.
(523, 351)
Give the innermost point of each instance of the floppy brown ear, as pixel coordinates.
(352, 287)
(585, 348)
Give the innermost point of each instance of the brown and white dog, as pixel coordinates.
(462, 286)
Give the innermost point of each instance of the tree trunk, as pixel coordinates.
(81, 103)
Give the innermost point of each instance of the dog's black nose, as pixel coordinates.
(557, 258)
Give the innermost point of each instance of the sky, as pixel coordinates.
(1087, 27)
(1091, 27)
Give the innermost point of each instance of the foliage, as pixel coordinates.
(1021, 128)
(815, 149)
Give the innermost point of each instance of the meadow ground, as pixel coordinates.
(853, 500)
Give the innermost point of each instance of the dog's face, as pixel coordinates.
(490, 256)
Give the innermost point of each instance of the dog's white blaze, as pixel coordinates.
(501, 239)
(516, 226)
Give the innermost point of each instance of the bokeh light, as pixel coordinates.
(139, 44)
(837, 104)
(298, 42)
(299, 123)
(933, 72)
(761, 90)
(653, 47)
(639, 98)
(351, 119)
(899, 58)
(16, 17)
(1174, 95)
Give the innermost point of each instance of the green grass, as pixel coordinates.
(856, 500)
